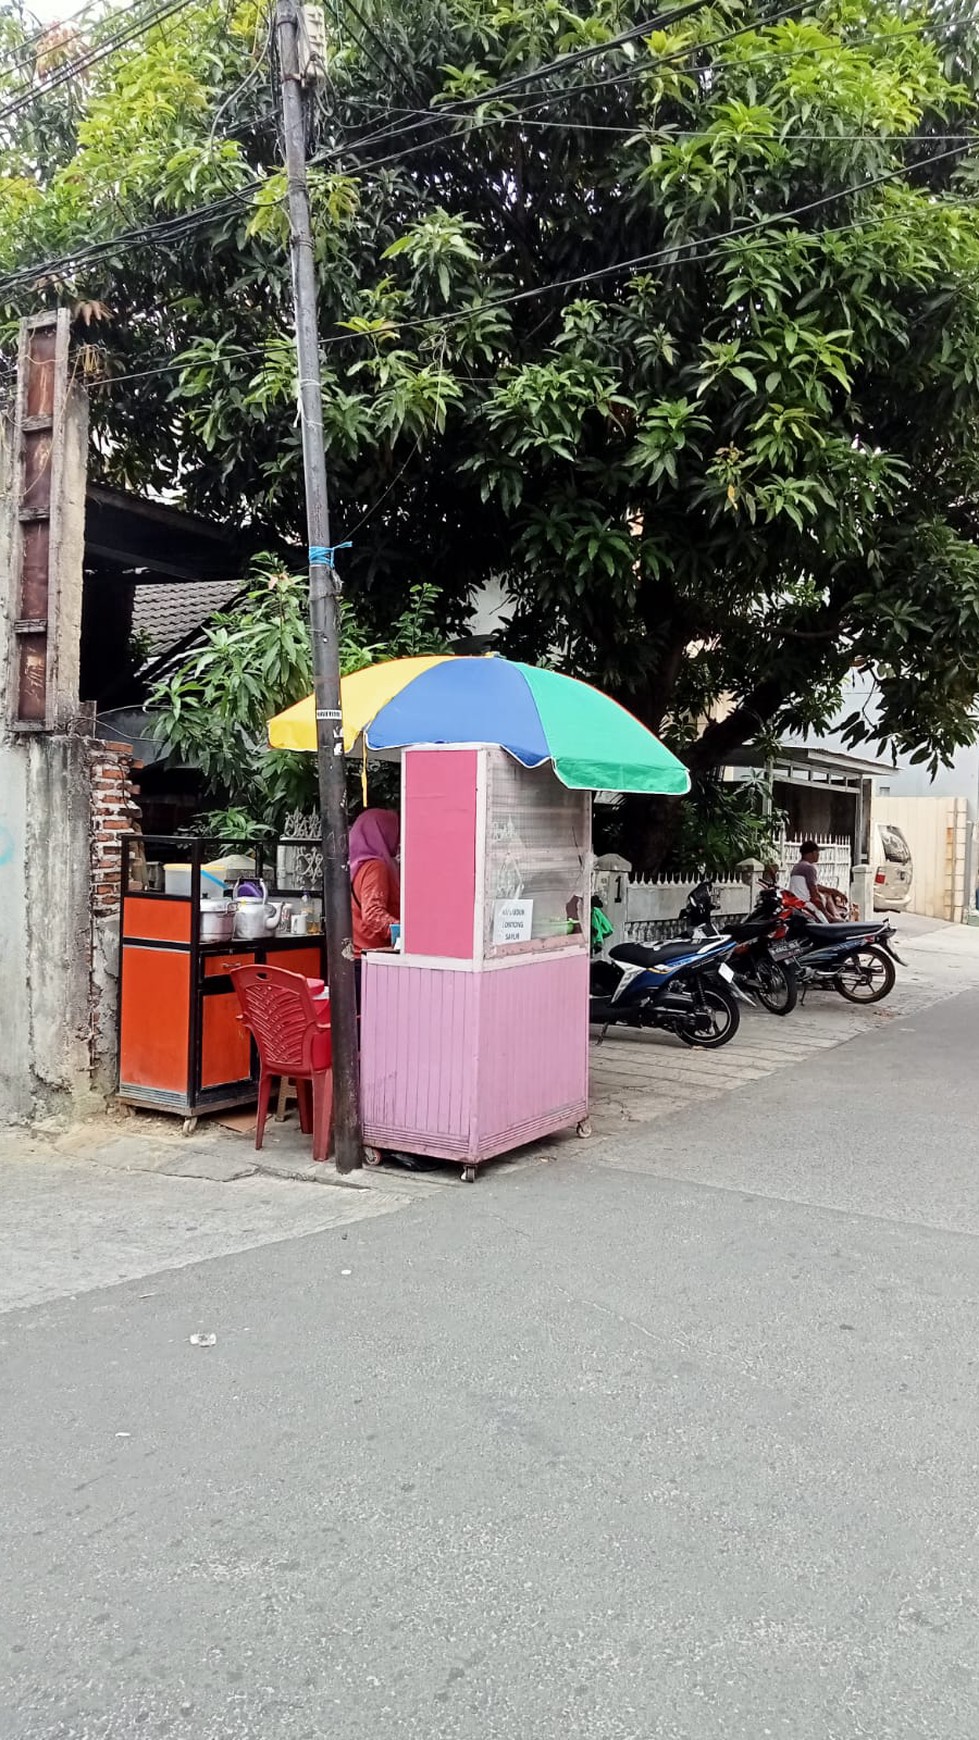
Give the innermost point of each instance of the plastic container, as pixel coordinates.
(231, 868)
(177, 879)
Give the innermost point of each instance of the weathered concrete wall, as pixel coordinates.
(15, 1049)
(59, 935)
(45, 927)
(45, 910)
(58, 921)
(45, 810)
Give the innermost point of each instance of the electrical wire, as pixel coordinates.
(92, 57)
(563, 62)
(174, 228)
(378, 40)
(712, 247)
(28, 46)
(254, 72)
(164, 231)
(687, 136)
(386, 135)
(454, 110)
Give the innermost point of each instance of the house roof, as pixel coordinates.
(799, 764)
(167, 614)
(152, 542)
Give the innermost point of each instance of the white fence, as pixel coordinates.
(646, 912)
(835, 859)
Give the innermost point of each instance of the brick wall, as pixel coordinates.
(115, 811)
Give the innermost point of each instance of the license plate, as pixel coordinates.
(779, 950)
(726, 972)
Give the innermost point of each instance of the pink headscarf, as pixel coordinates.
(376, 834)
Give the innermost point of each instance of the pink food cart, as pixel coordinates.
(474, 1034)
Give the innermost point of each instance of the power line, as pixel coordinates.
(388, 135)
(92, 57)
(27, 48)
(565, 61)
(251, 75)
(165, 230)
(668, 255)
(712, 246)
(454, 111)
(377, 39)
(174, 228)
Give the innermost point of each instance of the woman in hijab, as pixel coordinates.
(374, 878)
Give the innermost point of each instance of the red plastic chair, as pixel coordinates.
(291, 1029)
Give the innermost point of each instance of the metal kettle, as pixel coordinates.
(255, 914)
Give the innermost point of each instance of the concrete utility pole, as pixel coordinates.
(293, 39)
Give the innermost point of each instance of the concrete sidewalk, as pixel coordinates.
(636, 1079)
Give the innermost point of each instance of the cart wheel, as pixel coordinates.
(584, 1129)
(190, 1125)
(469, 1175)
(372, 1156)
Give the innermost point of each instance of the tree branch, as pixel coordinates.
(753, 714)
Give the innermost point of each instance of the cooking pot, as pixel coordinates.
(256, 914)
(217, 921)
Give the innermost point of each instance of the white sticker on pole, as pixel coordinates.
(512, 921)
(332, 714)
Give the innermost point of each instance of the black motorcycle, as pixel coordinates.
(857, 960)
(685, 988)
(763, 960)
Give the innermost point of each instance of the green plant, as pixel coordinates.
(680, 345)
(722, 823)
(211, 710)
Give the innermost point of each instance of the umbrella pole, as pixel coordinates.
(323, 612)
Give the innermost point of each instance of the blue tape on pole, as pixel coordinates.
(321, 555)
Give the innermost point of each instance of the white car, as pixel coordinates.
(894, 873)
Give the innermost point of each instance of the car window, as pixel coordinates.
(896, 849)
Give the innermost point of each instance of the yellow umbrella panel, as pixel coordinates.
(362, 695)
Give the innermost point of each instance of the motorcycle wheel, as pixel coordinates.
(725, 1018)
(777, 987)
(867, 977)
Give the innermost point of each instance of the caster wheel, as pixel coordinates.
(372, 1156)
(469, 1175)
(584, 1129)
(190, 1125)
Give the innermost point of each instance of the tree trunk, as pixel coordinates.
(649, 830)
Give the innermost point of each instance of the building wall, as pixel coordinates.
(937, 831)
(45, 797)
(113, 812)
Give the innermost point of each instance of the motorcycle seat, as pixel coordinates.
(748, 928)
(653, 954)
(836, 932)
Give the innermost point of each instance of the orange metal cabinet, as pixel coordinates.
(182, 1048)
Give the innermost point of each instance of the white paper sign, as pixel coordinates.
(512, 921)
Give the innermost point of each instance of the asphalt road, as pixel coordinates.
(672, 1437)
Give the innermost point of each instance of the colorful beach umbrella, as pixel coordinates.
(536, 715)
